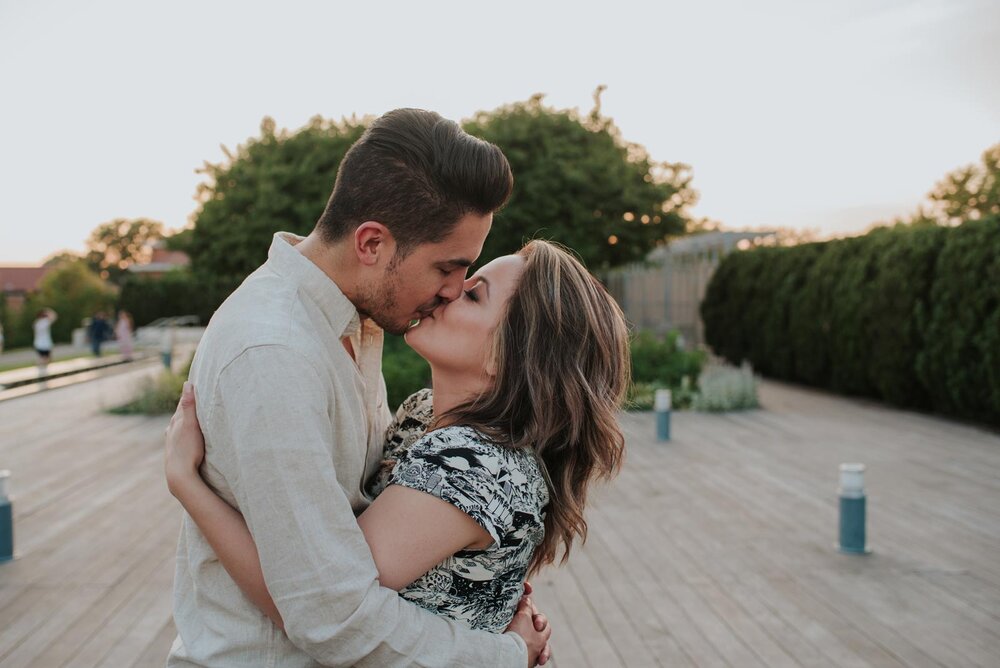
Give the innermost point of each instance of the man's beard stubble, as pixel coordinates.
(378, 302)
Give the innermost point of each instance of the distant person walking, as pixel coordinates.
(43, 335)
(99, 331)
(123, 332)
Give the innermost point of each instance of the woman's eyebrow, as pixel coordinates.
(480, 280)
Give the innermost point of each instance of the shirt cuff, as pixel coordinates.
(522, 647)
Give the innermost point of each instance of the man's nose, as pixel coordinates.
(452, 289)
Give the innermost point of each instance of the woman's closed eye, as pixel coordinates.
(471, 294)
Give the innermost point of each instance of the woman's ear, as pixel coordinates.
(373, 243)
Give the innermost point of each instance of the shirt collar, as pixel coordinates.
(313, 283)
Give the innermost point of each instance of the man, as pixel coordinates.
(99, 331)
(292, 405)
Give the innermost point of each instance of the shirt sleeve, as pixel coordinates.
(411, 420)
(454, 465)
(274, 408)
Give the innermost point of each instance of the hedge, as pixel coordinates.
(176, 293)
(906, 314)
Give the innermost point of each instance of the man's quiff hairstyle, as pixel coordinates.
(418, 174)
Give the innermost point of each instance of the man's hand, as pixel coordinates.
(539, 627)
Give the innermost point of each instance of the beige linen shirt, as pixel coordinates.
(293, 428)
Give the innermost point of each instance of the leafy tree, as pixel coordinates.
(62, 257)
(969, 193)
(113, 246)
(280, 180)
(576, 181)
(74, 292)
(180, 241)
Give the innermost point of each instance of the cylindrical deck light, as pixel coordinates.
(852, 509)
(662, 405)
(6, 520)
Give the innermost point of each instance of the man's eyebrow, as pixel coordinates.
(457, 262)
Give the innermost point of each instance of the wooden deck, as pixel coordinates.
(713, 550)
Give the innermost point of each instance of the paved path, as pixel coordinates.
(713, 550)
(28, 357)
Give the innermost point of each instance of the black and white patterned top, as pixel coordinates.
(501, 489)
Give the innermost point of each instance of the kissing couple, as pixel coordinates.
(320, 531)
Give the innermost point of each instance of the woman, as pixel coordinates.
(487, 476)
(43, 335)
(123, 333)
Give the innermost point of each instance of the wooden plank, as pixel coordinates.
(56, 649)
(695, 549)
(713, 550)
(564, 643)
(155, 654)
(826, 561)
(595, 645)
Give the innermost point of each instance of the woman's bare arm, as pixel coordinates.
(408, 531)
(227, 533)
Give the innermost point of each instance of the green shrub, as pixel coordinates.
(909, 314)
(657, 362)
(789, 272)
(405, 371)
(157, 395)
(897, 302)
(723, 309)
(960, 360)
(660, 360)
(178, 292)
(724, 388)
(642, 396)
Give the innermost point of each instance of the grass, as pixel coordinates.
(157, 395)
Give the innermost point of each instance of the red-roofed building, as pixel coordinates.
(17, 282)
(161, 261)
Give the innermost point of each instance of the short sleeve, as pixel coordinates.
(410, 422)
(458, 466)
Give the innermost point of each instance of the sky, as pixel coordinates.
(820, 115)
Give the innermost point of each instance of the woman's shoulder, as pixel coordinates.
(410, 422)
(419, 399)
(458, 440)
(489, 481)
(464, 452)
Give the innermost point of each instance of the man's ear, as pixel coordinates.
(373, 243)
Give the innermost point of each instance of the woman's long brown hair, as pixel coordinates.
(561, 358)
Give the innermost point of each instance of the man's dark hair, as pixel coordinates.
(418, 174)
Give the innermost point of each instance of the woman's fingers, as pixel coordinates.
(185, 410)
